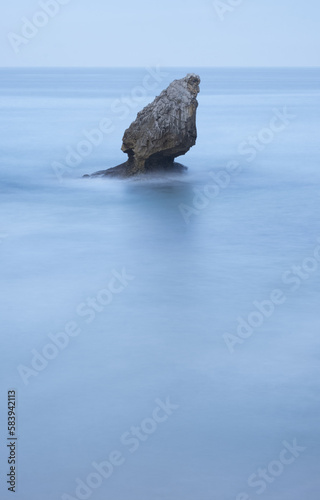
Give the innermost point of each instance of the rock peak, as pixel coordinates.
(162, 131)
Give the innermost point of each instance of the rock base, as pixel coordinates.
(124, 170)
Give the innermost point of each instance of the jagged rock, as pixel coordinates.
(162, 131)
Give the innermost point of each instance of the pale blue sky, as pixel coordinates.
(168, 33)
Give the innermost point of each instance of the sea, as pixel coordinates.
(161, 335)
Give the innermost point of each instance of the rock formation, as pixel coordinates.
(162, 131)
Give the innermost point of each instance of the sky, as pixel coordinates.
(212, 33)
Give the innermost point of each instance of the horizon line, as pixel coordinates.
(165, 67)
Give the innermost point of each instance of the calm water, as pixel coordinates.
(164, 335)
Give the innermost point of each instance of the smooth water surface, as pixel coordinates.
(195, 266)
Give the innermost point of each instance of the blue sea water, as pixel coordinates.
(204, 252)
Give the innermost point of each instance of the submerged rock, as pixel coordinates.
(162, 131)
